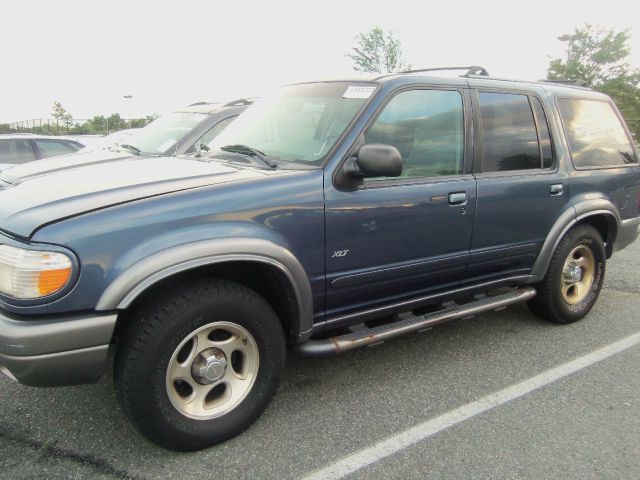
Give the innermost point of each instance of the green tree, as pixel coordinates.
(378, 52)
(599, 56)
(61, 115)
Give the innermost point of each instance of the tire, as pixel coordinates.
(240, 365)
(560, 298)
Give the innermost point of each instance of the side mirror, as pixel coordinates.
(377, 160)
(201, 147)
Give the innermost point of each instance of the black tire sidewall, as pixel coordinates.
(162, 422)
(589, 237)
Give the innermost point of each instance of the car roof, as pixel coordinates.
(474, 77)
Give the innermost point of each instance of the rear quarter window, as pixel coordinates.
(595, 134)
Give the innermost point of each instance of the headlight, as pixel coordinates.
(29, 274)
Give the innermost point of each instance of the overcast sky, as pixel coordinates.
(88, 54)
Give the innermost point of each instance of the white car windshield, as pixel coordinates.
(164, 133)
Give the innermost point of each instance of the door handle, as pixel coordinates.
(556, 189)
(458, 198)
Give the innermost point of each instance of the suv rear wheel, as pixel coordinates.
(199, 365)
(574, 278)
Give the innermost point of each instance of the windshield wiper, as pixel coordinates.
(131, 148)
(252, 152)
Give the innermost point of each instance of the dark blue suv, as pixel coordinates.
(328, 216)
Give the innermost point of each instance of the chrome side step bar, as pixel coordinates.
(412, 323)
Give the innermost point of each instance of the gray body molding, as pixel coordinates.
(145, 273)
(567, 220)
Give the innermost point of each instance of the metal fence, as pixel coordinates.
(75, 126)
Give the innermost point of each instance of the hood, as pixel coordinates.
(46, 165)
(51, 194)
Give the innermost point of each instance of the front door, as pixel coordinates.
(396, 238)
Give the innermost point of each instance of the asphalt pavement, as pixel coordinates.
(584, 425)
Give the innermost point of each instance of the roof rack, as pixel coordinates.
(472, 70)
(577, 82)
(199, 104)
(238, 102)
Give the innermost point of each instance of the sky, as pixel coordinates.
(89, 54)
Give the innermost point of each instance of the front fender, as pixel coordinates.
(131, 283)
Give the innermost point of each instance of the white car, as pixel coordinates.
(18, 148)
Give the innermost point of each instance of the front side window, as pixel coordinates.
(509, 136)
(595, 134)
(54, 148)
(427, 128)
(299, 123)
(16, 152)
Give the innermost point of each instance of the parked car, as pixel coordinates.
(18, 148)
(179, 132)
(175, 133)
(329, 216)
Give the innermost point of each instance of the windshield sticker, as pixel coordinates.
(358, 92)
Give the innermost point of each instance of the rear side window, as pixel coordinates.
(53, 148)
(509, 135)
(16, 151)
(595, 134)
(544, 137)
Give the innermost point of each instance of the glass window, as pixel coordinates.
(212, 133)
(163, 133)
(16, 151)
(427, 128)
(299, 122)
(595, 134)
(509, 137)
(54, 148)
(543, 133)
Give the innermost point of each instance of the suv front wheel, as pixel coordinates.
(574, 278)
(197, 365)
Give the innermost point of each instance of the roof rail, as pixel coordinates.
(472, 70)
(199, 104)
(238, 102)
(577, 82)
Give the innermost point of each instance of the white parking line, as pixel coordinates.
(402, 440)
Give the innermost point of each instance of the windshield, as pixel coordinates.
(163, 133)
(297, 123)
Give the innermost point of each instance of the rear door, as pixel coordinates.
(521, 189)
(397, 238)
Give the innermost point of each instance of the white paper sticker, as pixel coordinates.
(358, 92)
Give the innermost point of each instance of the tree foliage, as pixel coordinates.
(378, 52)
(599, 56)
(60, 114)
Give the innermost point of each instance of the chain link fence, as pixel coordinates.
(75, 126)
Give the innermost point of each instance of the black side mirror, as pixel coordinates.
(377, 160)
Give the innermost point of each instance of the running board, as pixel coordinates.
(406, 324)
